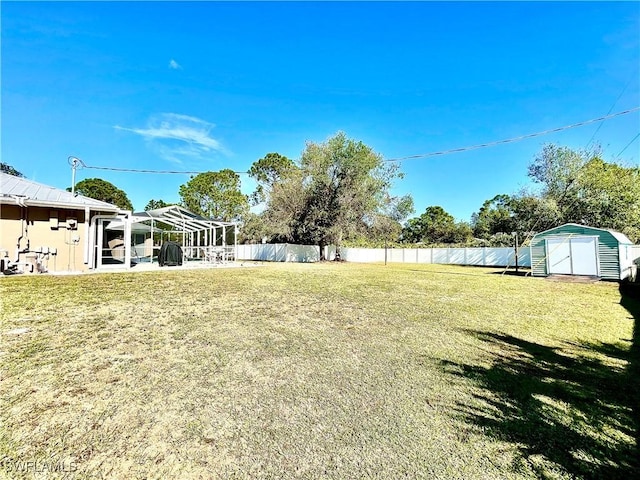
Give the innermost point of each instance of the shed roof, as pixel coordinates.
(18, 190)
(620, 237)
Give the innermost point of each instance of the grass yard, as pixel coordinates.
(318, 371)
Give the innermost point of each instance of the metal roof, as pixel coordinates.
(181, 218)
(17, 190)
(620, 237)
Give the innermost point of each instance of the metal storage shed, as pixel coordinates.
(573, 249)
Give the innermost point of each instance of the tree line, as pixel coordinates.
(339, 193)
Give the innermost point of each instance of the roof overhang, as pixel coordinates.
(29, 202)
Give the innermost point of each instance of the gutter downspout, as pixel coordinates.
(87, 239)
(24, 224)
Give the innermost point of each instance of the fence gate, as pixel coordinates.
(572, 256)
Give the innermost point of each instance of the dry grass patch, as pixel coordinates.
(315, 371)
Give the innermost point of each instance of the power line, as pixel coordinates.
(136, 170)
(410, 157)
(514, 139)
(632, 140)
(612, 106)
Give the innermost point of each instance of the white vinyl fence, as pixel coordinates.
(488, 257)
(279, 252)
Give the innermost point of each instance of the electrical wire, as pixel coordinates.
(514, 139)
(612, 106)
(81, 164)
(632, 140)
(136, 170)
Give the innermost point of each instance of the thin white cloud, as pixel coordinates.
(173, 65)
(175, 135)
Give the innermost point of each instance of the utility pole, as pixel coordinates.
(74, 162)
(516, 248)
(385, 250)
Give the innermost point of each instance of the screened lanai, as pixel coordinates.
(201, 238)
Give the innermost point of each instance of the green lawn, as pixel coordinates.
(317, 371)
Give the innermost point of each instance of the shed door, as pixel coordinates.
(584, 251)
(559, 256)
(573, 256)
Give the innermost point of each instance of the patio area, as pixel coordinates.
(202, 242)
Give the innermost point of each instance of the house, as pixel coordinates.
(573, 249)
(47, 229)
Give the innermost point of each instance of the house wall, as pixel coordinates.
(37, 231)
(608, 250)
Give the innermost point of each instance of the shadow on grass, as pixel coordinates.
(630, 299)
(575, 414)
(522, 272)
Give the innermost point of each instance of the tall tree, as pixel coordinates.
(523, 213)
(255, 228)
(558, 168)
(609, 197)
(339, 188)
(6, 168)
(100, 189)
(588, 190)
(215, 195)
(435, 225)
(495, 216)
(267, 171)
(532, 214)
(155, 204)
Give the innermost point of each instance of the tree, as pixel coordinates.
(558, 168)
(609, 197)
(532, 214)
(387, 224)
(588, 190)
(255, 228)
(100, 189)
(6, 168)
(215, 195)
(267, 171)
(495, 216)
(523, 213)
(435, 225)
(155, 204)
(338, 190)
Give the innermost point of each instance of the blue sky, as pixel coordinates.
(205, 86)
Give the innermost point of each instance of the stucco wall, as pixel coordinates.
(33, 223)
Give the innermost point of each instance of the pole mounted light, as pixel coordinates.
(75, 162)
